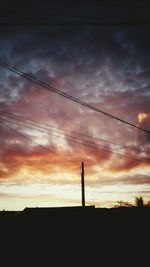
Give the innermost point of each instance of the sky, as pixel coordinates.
(106, 66)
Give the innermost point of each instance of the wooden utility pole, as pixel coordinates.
(82, 186)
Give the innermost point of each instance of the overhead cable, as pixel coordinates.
(68, 96)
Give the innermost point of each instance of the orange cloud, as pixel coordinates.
(142, 116)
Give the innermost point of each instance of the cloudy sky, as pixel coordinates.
(45, 137)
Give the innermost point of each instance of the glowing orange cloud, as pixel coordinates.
(142, 116)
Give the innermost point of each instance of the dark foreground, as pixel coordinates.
(75, 237)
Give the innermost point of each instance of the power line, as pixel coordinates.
(34, 142)
(55, 16)
(25, 119)
(22, 118)
(85, 143)
(45, 129)
(62, 20)
(68, 96)
(65, 136)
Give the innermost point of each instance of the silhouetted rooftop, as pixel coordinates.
(39, 210)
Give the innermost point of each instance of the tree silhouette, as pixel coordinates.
(123, 204)
(139, 202)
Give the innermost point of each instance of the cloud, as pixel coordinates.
(124, 180)
(105, 68)
(144, 122)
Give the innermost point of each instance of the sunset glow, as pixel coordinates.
(142, 117)
(44, 137)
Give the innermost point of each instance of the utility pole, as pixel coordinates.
(82, 186)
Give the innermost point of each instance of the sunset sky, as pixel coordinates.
(107, 66)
